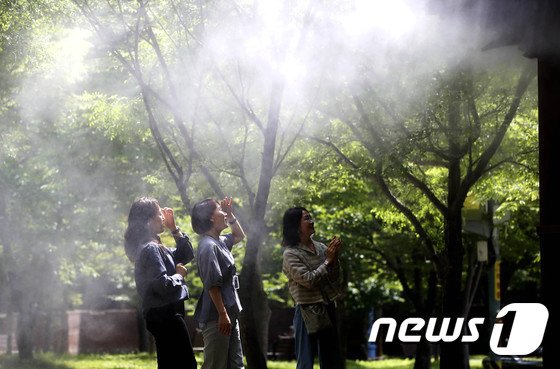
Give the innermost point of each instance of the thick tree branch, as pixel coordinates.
(332, 146)
(184, 24)
(269, 148)
(474, 175)
(282, 157)
(378, 176)
(401, 276)
(243, 104)
(409, 176)
(423, 187)
(250, 193)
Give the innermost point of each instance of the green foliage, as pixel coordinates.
(115, 116)
(71, 167)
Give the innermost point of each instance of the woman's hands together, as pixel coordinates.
(332, 250)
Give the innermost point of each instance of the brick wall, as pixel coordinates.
(103, 331)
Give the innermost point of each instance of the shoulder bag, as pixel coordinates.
(315, 316)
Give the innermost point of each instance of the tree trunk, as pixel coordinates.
(25, 334)
(17, 292)
(453, 354)
(256, 312)
(253, 298)
(425, 308)
(423, 355)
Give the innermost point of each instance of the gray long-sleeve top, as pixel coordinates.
(308, 273)
(157, 281)
(216, 267)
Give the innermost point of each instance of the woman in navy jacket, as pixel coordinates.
(159, 274)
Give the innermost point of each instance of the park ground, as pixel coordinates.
(147, 361)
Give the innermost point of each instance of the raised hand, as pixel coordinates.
(227, 205)
(168, 218)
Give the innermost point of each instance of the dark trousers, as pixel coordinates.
(325, 344)
(173, 344)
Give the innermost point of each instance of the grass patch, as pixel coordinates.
(51, 361)
(148, 361)
(391, 363)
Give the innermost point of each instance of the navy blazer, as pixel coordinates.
(157, 281)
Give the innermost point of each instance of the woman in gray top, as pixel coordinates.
(159, 274)
(218, 308)
(313, 273)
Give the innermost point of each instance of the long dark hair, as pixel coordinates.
(138, 231)
(201, 215)
(290, 226)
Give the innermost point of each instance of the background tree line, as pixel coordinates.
(277, 104)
